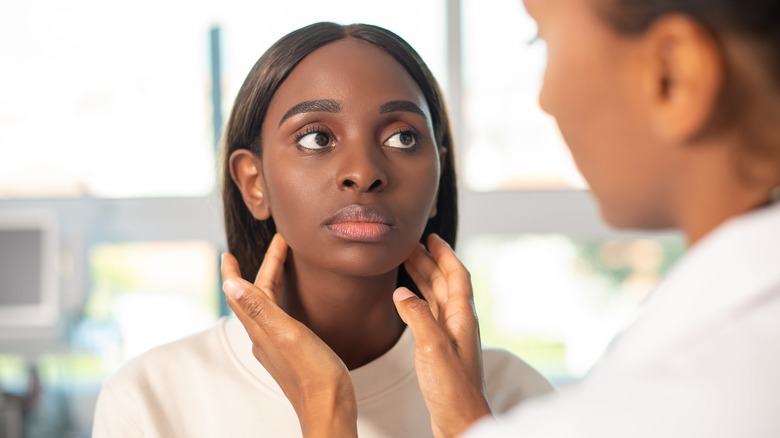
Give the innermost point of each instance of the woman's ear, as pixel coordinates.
(247, 173)
(442, 164)
(685, 77)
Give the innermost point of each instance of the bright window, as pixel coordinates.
(558, 301)
(510, 143)
(113, 99)
(147, 294)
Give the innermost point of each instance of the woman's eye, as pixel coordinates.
(315, 140)
(402, 140)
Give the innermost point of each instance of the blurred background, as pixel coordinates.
(110, 221)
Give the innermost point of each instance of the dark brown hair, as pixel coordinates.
(247, 237)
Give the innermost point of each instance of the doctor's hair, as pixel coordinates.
(757, 20)
(248, 238)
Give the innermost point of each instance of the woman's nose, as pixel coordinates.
(362, 169)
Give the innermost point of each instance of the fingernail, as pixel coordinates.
(233, 288)
(401, 294)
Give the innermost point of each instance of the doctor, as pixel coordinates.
(671, 109)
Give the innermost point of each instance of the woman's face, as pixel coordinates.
(595, 85)
(349, 162)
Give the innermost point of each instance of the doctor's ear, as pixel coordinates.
(686, 78)
(246, 170)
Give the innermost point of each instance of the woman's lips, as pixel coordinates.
(361, 231)
(360, 224)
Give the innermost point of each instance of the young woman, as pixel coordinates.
(670, 108)
(339, 142)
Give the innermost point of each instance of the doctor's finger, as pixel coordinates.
(428, 276)
(229, 267)
(260, 316)
(269, 277)
(421, 281)
(457, 276)
(416, 313)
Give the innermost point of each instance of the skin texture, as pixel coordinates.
(304, 188)
(337, 286)
(658, 124)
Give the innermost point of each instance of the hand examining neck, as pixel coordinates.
(448, 352)
(311, 375)
(448, 355)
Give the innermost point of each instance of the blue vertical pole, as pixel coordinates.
(216, 84)
(215, 45)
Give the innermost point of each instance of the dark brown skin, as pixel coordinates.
(340, 287)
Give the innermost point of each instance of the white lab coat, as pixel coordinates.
(703, 360)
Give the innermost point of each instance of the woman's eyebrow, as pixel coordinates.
(312, 106)
(401, 105)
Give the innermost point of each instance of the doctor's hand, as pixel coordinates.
(312, 376)
(448, 352)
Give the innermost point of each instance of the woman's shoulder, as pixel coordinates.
(165, 361)
(152, 393)
(510, 380)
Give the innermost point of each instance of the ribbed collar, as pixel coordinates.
(370, 380)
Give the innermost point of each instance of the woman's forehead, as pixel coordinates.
(350, 71)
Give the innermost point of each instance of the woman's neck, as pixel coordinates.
(355, 316)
